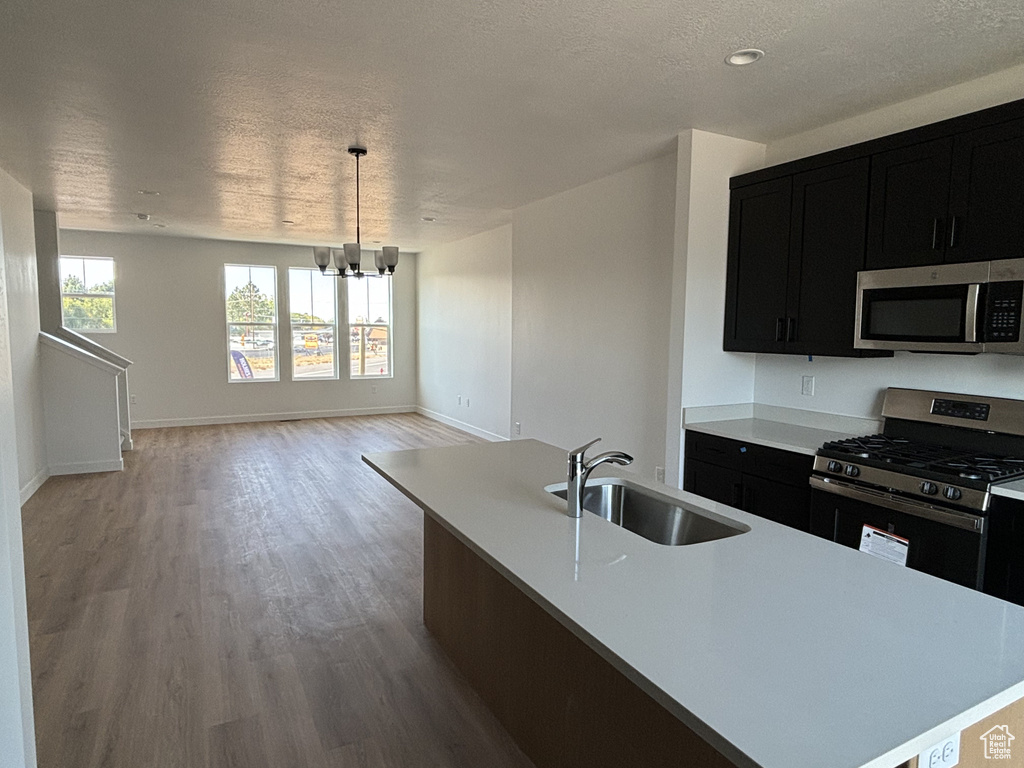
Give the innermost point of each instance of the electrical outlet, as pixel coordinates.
(517, 428)
(807, 386)
(945, 754)
(467, 402)
(134, 399)
(659, 474)
(460, 399)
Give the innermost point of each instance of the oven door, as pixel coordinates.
(921, 309)
(948, 544)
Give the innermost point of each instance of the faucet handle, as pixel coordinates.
(578, 453)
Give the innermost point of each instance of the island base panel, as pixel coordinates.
(562, 703)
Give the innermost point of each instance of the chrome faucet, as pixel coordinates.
(580, 469)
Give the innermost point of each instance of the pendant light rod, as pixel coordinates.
(358, 152)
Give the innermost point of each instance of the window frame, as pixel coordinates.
(112, 295)
(228, 323)
(389, 325)
(314, 275)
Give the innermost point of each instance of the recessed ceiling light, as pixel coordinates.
(429, 218)
(148, 192)
(160, 226)
(743, 56)
(287, 221)
(376, 242)
(143, 216)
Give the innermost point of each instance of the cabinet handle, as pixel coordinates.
(779, 323)
(791, 329)
(952, 232)
(935, 234)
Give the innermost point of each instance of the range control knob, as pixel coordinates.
(852, 470)
(930, 488)
(952, 493)
(835, 466)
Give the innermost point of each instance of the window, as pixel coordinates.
(251, 298)
(87, 294)
(369, 326)
(314, 320)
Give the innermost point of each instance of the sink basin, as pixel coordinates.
(658, 518)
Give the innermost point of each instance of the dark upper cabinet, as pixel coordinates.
(987, 201)
(795, 247)
(758, 267)
(909, 205)
(828, 231)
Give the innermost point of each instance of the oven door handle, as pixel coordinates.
(964, 520)
(971, 313)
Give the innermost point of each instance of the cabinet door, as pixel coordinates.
(715, 483)
(829, 230)
(909, 202)
(786, 504)
(755, 298)
(987, 207)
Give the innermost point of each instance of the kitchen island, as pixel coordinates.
(774, 648)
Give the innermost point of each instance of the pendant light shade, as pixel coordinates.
(348, 258)
(390, 257)
(322, 257)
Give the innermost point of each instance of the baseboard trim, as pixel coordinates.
(494, 438)
(34, 484)
(246, 418)
(83, 467)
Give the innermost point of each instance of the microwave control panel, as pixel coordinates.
(1003, 311)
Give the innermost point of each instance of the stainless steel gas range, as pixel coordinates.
(923, 488)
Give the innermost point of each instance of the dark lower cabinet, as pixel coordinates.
(762, 481)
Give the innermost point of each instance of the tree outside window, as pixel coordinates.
(251, 307)
(87, 294)
(369, 322)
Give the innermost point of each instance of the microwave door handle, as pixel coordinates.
(971, 319)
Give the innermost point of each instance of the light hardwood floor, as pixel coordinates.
(244, 595)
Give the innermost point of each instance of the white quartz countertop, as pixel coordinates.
(1014, 490)
(781, 649)
(774, 434)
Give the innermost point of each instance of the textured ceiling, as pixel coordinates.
(239, 112)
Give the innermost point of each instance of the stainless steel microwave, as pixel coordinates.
(965, 308)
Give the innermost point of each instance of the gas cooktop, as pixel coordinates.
(937, 462)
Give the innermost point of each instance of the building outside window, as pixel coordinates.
(87, 294)
(369, 326)
(313, 306)
(250, 294)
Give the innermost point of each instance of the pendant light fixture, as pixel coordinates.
(347, 259)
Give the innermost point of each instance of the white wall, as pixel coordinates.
(854, 387)
(960, 99)
(171, 325)
(464, 304)
(591, 294)
(17, 738)
(699, 372)
(23, 307)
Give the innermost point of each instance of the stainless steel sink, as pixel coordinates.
(658, 518)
